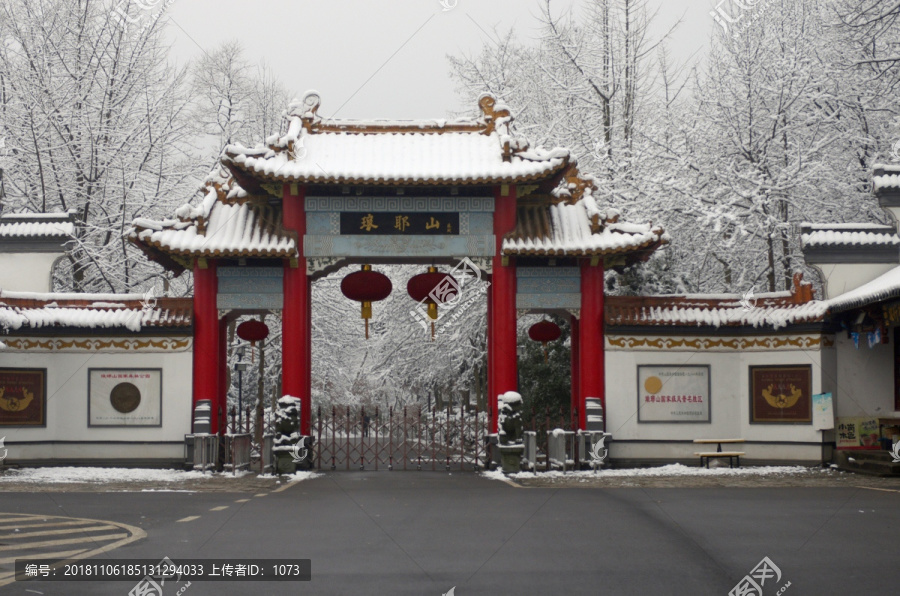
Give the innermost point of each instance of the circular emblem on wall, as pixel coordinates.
(125, 397)
(653, 385)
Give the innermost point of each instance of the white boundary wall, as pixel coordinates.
(729, 396)
(67, 436)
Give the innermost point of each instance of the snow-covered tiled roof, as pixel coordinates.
(565, 229)
(238, 229)
(237, 216)
(572, 223)
(133, 312)
(398, 158)
(36, 226)
(834, 235)
(768, 310)
(883, 287)
(886, 178)
(620, 311)
(317, 151)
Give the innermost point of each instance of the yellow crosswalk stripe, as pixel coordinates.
(93, 537)
(63, 554)
(32, 545)
(77, 522)
(54, 532)
(21, 518)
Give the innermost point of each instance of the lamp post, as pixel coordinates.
(240, 366)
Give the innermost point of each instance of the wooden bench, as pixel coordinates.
(731, 455)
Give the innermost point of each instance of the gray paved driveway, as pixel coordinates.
(422, 533)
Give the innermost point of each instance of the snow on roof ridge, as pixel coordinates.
(37, 229)
(51, 296)
(840, 238)
(890, 178)
(59, 216)
(886, 285)
(724, 314)
(727, 296)
(847, 226)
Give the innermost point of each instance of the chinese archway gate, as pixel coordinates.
(329, 193)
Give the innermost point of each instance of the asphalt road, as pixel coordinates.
(424, 533)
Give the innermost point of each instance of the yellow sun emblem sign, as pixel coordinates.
(653, 385)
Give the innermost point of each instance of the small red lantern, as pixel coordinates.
(544, 332)
(253, 331)
(432, 288)
(366, 286)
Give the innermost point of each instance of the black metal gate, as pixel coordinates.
(408, 438)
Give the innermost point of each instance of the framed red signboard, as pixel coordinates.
(23, 396)
(781, 394)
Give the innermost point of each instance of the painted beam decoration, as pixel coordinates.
(125, 397)
(23, 396)
(673, 393)
(781, 394)
(380, 223)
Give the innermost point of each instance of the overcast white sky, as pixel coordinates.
(384, 58)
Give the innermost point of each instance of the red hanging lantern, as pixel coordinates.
(253, 331)
(545, 331)
(366, 286)
(432, 288)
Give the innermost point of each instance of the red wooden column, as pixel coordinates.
(590, 334)
(576, 364)
(502, 357)
(206, 340)
(295, 318)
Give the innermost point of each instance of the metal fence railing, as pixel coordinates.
(237, 451)
(404, 438)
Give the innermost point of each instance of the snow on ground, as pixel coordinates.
(295, 477)
(118, 475)
(98, 475)
(662, 471)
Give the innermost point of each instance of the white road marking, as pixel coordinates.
(219, 508)
(188, 518)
